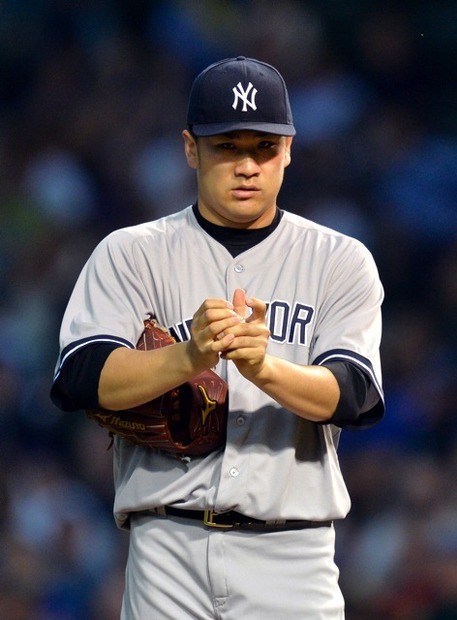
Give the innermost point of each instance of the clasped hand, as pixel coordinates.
(234, 331)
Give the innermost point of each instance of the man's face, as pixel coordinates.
(239, 176)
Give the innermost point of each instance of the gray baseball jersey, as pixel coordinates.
(324, 297)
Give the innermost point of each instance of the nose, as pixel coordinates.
(247, 166)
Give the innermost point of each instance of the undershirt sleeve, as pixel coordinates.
(354, 387)
(77, 384)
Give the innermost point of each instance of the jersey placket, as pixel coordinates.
(235, 463)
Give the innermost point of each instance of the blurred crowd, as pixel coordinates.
(93, 97)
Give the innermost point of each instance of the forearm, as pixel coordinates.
(311, 392)
(130, 377)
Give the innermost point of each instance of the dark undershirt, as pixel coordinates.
(237, 240)
(77, 384)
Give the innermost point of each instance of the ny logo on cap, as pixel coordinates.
(242, 94)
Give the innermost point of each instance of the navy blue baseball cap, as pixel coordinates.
(239, 93)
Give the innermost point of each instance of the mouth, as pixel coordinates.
(245, 191)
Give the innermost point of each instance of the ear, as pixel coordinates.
(190, 148)
(288, 146)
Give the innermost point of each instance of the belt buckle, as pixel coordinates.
(208, 520)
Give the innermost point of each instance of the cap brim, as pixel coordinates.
(213, 129)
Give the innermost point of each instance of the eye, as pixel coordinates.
(267, 144)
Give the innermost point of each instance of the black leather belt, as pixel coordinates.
(233, 520)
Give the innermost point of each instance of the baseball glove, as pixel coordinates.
(189, 420)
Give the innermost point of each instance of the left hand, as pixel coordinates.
(248, 349)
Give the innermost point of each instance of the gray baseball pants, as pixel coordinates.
(178, 569)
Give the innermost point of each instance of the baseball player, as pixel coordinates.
(288, 313)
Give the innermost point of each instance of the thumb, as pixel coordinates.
(239, 302)
(258, 309)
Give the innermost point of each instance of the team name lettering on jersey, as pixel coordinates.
(288, 324)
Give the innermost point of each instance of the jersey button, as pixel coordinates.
(234, 472)
(239, 268)
(240, 420)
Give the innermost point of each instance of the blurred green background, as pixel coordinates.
(93, 97)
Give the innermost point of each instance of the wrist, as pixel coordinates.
(261, 373)
(193, 361)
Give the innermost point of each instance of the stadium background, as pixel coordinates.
(92, 101)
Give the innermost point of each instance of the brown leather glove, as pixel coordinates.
(190, 419)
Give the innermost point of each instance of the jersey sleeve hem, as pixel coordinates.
(78, 345)
(375, 413)
(76, 384)
(343, 355)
